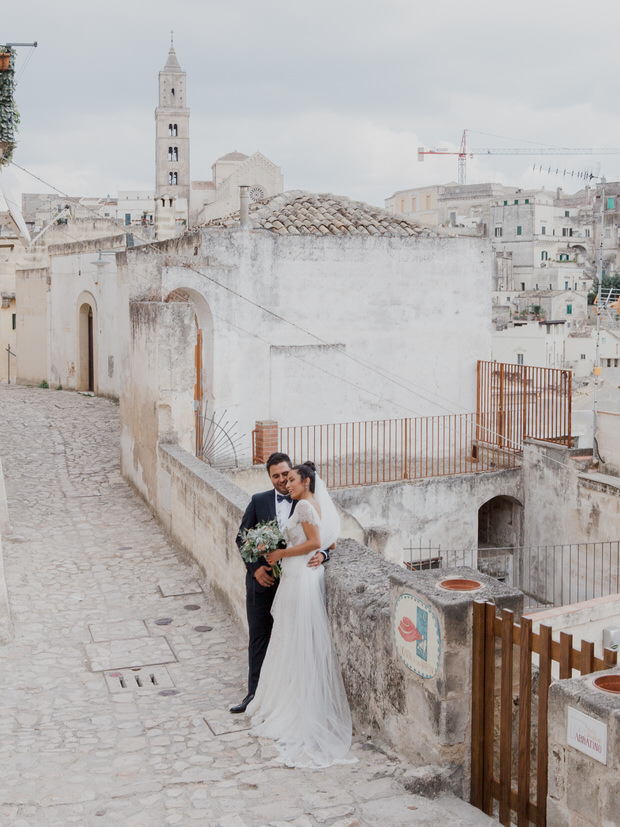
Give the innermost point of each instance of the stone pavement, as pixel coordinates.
(115, 687)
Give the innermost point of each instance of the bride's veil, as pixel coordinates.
(330, 521)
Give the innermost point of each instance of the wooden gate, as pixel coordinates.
(518, 783)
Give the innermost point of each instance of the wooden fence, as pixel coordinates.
(493, 771)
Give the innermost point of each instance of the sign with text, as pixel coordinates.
(587, 734)
(416, 635)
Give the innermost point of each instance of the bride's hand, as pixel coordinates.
(274, 556)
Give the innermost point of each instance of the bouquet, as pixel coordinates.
(260, 540)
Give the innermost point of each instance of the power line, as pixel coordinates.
(433, 399)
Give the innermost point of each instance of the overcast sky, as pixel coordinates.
(338, 93)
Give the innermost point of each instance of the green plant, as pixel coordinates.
(9, 115)
(59, 387)
(43, 384)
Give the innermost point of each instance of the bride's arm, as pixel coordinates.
(313, 542)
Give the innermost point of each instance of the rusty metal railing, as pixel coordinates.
(390, 450)
(519, 401)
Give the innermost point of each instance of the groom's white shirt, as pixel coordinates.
(283, 510)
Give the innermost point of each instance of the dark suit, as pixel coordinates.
(258, 599)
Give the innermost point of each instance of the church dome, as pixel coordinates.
(233, 156)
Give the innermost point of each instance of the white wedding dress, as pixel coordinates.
(300, 701)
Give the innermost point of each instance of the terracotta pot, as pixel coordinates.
(5, 61)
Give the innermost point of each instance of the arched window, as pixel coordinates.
(170, 154)
(170, 132)
(172, 91)
(172, 178)
(175, 153)
(175, 130)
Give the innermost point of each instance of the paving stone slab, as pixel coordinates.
(124, 654)
(169, 589)
(118, 630)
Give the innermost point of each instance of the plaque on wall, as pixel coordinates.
(587, 734)
(416, 635)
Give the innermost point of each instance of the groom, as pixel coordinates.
(259, 584)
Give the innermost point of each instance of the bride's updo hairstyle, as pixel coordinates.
(307, 471)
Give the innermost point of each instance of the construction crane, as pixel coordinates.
(463, 152)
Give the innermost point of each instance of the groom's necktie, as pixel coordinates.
(286, 497)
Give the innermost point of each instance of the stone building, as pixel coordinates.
(313, 309)
(179, 201)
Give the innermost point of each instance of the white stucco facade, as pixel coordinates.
(304, 329)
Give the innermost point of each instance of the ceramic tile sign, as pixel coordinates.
(587, 734)
(416, 635)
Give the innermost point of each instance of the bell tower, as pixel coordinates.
(172, 136)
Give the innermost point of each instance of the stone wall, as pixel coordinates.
(583, 790)
(442, 511)
(5, 615)
(609, 440)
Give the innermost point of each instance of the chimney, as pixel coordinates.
(244, 205)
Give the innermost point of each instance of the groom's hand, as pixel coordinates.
(316, 560)
(263, 576)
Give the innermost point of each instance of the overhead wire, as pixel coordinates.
(431, 398)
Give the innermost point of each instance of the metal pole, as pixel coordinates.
(9, 353)
(597, 361)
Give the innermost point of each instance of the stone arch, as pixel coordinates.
(203, 354)
(500, 530)
(86, 326)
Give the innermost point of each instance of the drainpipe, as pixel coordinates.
(244, 205)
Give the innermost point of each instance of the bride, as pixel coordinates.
(300, 701)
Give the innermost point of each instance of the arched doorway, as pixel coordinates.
(86, 330)
(500, 527)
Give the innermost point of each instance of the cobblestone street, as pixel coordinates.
(116, 681)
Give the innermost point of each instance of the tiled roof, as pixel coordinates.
(304, 213)
(233, 156)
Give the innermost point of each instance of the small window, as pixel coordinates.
(543, 231)
(611, 203)
(13, 320)
(516, 200)
(519, 230)
(527, 200)
(175, 153)
(587, 233)
(566, 285)
(523, 287)
(544, 256)
(569, 309)
(169, 129)
(172, 91)
(583, 355)
(127, 219)
(566, 213)
(505, 203)
(564, 230)
(498, 232)
(519, 358)
(172, 178)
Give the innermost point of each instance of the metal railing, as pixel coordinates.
(548, 575)
(391, 450)
(519, 401)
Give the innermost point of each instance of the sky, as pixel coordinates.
(338, 93)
